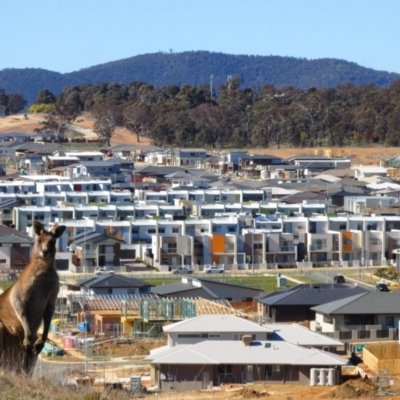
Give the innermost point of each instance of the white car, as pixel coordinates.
(182, 270)
(212, 269)
(103, 271)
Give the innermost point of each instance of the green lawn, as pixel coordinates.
(6, 284)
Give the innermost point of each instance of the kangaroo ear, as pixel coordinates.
(58, 230)
(38, 228)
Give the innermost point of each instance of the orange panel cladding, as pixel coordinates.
(347, 241)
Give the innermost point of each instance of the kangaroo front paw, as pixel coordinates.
(26, 343)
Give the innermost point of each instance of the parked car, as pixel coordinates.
(212, 269)
(339, 279)
(103, 271)
(182, 270)
(382, 287)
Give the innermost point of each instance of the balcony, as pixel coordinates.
(169, 251)
(286, 249)
(318, 247)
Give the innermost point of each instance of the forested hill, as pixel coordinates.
(195, 68)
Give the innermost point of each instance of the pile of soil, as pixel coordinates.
(249, 393)
(139, 348)
(353, 389)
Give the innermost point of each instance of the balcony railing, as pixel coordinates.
(319, 247)
(169, 251)
(284, 249)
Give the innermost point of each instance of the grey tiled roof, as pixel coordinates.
(311, 296)
(114, 281)
(364, 303)
(171, 288)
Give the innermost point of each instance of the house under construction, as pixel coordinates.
(143, 316)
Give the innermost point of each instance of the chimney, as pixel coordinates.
(247, 340)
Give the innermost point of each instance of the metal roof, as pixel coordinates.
(114, 281)
(297, 334)
(311, 295)
(235, 352)
(365, 303)
(216, 323)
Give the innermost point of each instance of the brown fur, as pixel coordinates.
(28, 303)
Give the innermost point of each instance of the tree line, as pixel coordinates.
(11, 103)
(233, 116)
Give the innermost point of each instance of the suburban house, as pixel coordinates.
(186, 157)
(296, 302)
(15, 249)
(209, 350)
(104, 313)
(93, 249)
(369, 316)
(252, 165)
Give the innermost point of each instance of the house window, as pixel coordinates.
(390, 321)
(151, 230)
(342, 227)
(231, 229)
(175, 230)
(273, 369)
(171, 248)
(188, 335)
(257, 246)
(374, 241)
(214, 336)
(161, 230)
(198, 246)
(225, 369)
(135, 230)
(328, 319)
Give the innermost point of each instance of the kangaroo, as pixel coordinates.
(28, 303)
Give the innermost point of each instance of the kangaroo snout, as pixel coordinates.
(45, 252)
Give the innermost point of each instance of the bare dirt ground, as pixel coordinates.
(360, 155)
(84, 124)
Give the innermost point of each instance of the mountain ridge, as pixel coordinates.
(195, 68)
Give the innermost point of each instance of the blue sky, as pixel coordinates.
(68, 35)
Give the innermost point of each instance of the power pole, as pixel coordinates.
(211, 86)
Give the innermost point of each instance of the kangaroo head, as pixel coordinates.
(45, 242)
